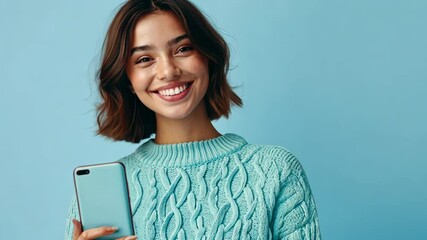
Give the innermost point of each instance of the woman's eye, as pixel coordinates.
(143, 60)
(185, 49)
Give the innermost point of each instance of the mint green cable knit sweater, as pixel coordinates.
(223, 188)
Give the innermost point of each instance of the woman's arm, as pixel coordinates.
(295, 215)
(72, 214)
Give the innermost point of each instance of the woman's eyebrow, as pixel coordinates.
(150, 47)
(141, 49)
(177, 39)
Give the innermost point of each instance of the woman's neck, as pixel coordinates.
(196, 127)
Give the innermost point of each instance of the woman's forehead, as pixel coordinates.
(156, 28)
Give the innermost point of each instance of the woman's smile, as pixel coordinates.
(174, 92)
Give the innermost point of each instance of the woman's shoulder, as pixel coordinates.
(268, 151)
(272, 156)
(272, 151)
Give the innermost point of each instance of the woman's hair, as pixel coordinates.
(121, 115)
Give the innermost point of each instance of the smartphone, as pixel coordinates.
(103, 198)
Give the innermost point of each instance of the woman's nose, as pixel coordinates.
(167, 69)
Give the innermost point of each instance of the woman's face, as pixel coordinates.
(167, 74)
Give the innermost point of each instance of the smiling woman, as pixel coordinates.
(130, 45)
(167, 74)
(164, 72)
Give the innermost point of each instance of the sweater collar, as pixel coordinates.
(190, 153)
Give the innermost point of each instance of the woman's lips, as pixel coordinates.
(175, 93)
(174, 90)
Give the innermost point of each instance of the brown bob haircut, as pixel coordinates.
(121, 115)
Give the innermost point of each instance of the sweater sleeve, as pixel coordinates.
(295, 214)
(72, 214)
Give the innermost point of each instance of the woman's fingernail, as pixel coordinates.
(112, 229)
(131, 238)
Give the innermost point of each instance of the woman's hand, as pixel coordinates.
(94, 233)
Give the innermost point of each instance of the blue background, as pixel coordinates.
(342, 84)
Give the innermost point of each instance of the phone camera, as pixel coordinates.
(83, 172)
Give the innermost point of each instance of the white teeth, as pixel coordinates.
(173, 91)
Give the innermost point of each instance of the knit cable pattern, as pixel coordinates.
(223, 188)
